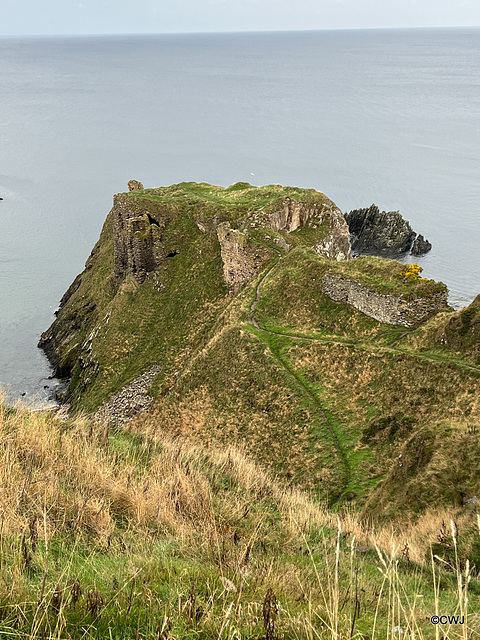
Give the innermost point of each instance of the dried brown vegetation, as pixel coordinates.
(97, 524)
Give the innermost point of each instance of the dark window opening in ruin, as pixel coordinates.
(152, 220)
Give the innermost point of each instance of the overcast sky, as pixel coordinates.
(31, 17)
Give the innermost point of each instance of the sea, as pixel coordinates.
(390, 117)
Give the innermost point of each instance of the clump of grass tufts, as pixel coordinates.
(165, 538)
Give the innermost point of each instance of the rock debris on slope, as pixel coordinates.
(130, 400)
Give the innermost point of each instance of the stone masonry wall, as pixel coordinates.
(384, 308)
(137, 238)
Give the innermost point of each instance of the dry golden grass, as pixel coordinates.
(220, 509)
(363, 378)
(69, 472)
(235, 392)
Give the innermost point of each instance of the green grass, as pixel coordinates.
(236, 391)
(362, 388)
(161, 321)
(292, 302)
(137, 588)
(165, 529)
(454, 336)
(169, 317)
(240, 198)
(388, 277)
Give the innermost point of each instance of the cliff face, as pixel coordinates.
(66, 342)
(294, 215)
(335, 244)
(242, 259)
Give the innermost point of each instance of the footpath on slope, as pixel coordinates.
(298, 380)
(306, 388)
(390, 347)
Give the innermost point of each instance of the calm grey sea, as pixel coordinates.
(390, 116)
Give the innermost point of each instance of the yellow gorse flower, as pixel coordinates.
(413, 271)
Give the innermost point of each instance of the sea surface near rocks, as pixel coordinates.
(389, 117)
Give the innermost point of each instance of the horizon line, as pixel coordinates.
(229, 32)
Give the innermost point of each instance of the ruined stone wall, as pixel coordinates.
(241, 260)
(139, 225)
(384, 308)
(135, 185)
(137, 238)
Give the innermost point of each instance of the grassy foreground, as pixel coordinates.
(111, 534)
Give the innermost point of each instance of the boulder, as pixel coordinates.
(420, 246)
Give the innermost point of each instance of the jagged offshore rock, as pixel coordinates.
(383, 233)
(420, 246)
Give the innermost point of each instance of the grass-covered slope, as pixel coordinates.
(455, 335)
(237, 202)
(112, 534)
(330, 399)
(322, 396)
(130, 328)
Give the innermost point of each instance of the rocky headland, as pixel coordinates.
(237, 315)
(143, 228)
